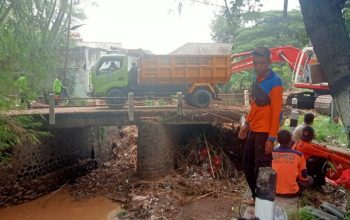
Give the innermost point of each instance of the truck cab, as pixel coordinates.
(110, 71)
(110, 78)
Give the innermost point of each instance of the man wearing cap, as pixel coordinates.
(263, 120)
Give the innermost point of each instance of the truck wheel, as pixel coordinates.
(201, 98)
(119, 100)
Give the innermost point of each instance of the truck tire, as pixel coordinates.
(201, 98)
(117, 102)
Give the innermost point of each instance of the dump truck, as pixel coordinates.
(196, 76)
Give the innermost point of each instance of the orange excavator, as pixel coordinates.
(307, 74)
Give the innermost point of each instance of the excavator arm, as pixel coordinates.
(294, 57)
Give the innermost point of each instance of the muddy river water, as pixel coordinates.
(61, 206)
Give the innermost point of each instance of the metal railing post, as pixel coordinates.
(233, 99)
(131, 106)
(179, 103)
(52, 108)
(246, 98)
(294, 115)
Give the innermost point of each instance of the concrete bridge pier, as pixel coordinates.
(155, 150)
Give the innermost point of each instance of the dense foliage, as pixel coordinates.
(32, 38)
(247, 27)
(32, 34)
(272, 30)
(269, 29)
(237, 14)
(18, 131)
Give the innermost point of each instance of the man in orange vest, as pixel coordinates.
(290, 167)
(262, 122)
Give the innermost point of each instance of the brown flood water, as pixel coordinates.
(61, 206)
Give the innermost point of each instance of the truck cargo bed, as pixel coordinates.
(184, 69)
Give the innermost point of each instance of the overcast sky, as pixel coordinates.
(155, 24)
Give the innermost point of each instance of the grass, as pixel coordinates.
(326, 130)
(308, 198)
(122, 214)
(301, 214)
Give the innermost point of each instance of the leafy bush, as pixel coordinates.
(328, 131)
(15, 131)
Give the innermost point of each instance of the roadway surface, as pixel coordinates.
(104, 116)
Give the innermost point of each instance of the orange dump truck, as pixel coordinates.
(161, 75)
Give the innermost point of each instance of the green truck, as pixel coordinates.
(195, 76)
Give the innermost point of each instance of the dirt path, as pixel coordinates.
(209, 208)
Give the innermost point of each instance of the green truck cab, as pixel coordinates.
(109, 72)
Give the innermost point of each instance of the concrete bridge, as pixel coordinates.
(132, 113)
(69, 117)
(159, 126)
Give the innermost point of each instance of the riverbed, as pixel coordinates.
(61, 205)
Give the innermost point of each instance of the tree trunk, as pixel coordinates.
(326, 28)
(285, 9)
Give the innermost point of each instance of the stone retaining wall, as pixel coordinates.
(35, 170)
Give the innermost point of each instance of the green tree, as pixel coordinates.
(270, 30)
(235, 14)
(222, 31)
(346, 15)
(31, 34)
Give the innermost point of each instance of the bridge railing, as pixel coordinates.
(235, 99)
(132, 103)
(129, 103)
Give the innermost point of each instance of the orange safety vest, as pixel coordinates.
(289, 166)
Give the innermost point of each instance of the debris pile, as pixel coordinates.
(207, 167)
(338, 196)
(203, 155)
(203, 169)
